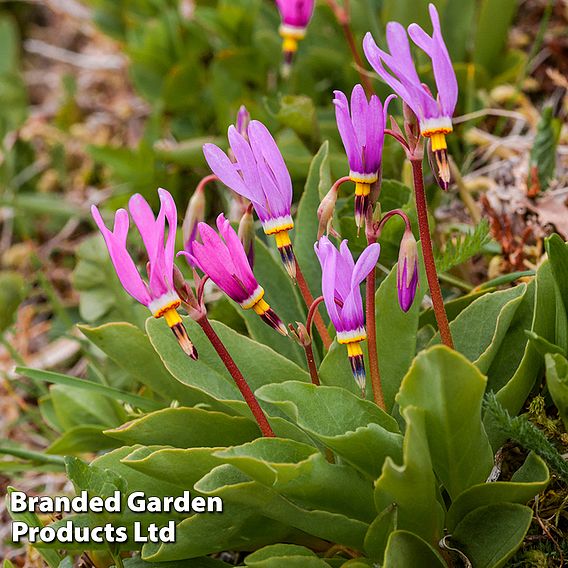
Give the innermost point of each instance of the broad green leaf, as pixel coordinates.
(238, 528)
(203, 562)
(531, 478)
(513, 395)
(449, 389)
(185, 467)
(186, 428)
(453, 308)
(111, 392)
(300, 473)
(378, 534)
(557, 383)
(481, 327)
(258, 363)
(558, 256)
(396, 332)
(51, 557)
(306, 224)
(94, 479)
(407, 550)
(79, 439)
(141, 362)
(282, 296)
(490, 535)
(543, 151)
(356, 429)
(233, 486)
(276, 555)
(412, 487)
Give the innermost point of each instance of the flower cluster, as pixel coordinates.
(255, 170)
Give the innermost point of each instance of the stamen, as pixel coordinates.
(439, 148)
(286, 251)
(267, 314)
(355, 354)
(174, 321)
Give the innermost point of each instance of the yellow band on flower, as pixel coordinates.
(282, 239)
(172, 317)
(362, 188)
(289, 44)
(261, 307)
(438, 141)
(354, 349)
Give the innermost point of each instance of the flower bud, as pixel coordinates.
(194, 214)
(325, 212)
(246, 234)
(407, 270)
(300, 334)
(243, 119)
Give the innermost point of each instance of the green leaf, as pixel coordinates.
(490, 535)
(258, 363)
(543, 151)
(202, 562)
(186, 428)
(51, 557)
(412, 487)
(481, 327)
(449, 389)
(557, 383)
(513, 395)
(396, 332)
(187, 153)
(277, 555)
(378, 534)
(12, 292)
(557, 251)
(81, 439)
(318, 181)
(111, 392)
(407, 550)
(356, 429)
(531, 478)
(142, 362)
(233, 486)
(461, 248)
(298, 472)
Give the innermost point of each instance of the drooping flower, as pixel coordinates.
(341, 279)
(362, 130)
(159, 294)
(407, 270)
(434, 114)
(296, 15)
(223, 258)
(260, 175)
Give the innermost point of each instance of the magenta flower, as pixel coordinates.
(243, 120)
(159, 294)
(223, 258)
(407, 270)
(259, 174)
(362, 131)
(434, 114)
(296, 15)
(341, 279)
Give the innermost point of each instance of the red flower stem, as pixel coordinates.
(240, 381)
(398, 137)
(309, 300)
(201, 185)
(429, 263)
(372, 340)
(312, 364)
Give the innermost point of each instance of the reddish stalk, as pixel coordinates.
(429, 263)
(343, 17)
(372, 340)
(207, 179)
(309, 300)
(240, 381)
(308, 348)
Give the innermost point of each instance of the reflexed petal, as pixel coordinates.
(169, 207)
(246, 163)
(144, 219)
(347, 132)
(359, 115)
(123, 264)
(263, 145)
(225, 170)
(365, 263)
